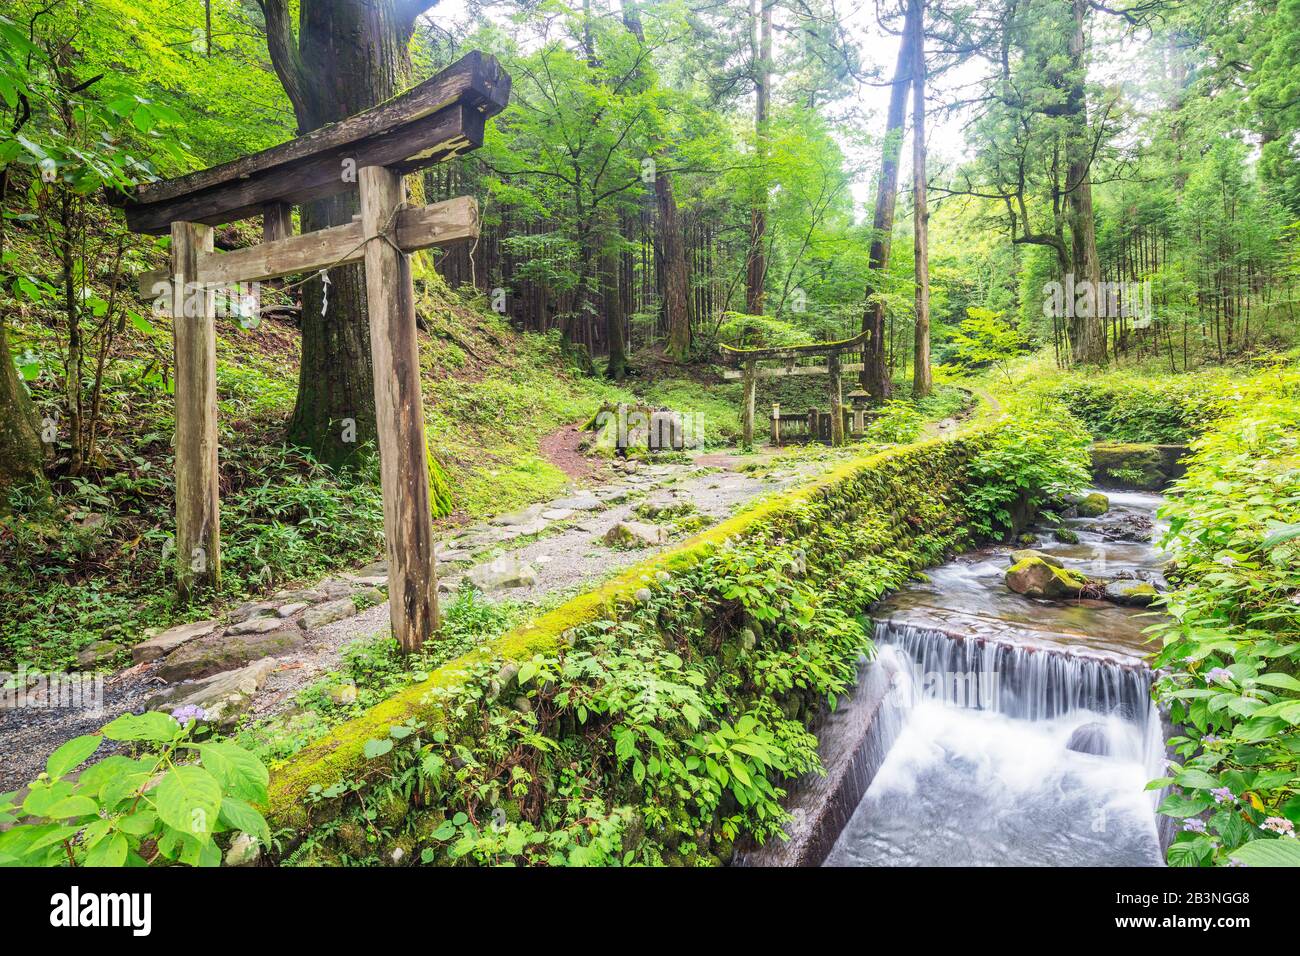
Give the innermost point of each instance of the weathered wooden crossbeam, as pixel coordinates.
(438, 224)
(440, 118)
(736, 375)
(790, 353)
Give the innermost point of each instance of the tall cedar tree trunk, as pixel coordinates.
(875, 357)
(921, 381)
(347, 57)
(610, 295)
(1087, 333)
(676, 271)
(756, 265)
(22, 456)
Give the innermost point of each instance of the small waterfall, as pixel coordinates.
(1018, 680)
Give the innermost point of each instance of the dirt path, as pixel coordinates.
(561, 449)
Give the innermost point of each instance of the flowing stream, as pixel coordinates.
(1018, 731)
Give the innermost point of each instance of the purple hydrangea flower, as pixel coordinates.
(1219, 675)
(1194, 825)
(1210, 740)
(188, 714)
(1223, 795)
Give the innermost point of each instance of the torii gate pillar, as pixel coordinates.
(399, 414)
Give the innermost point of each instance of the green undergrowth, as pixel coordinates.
(373, 669)
(653, 720)
(1140, 406)
(1230, 651)
(96, 562)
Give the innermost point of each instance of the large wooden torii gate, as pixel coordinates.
(748, 360)
(432, 122)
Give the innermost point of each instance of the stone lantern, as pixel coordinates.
(859, 400)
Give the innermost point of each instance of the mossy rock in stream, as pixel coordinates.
(1130, 593)
(1025, 554)
(1093, 505)
(1035, 578)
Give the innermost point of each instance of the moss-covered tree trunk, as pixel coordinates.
(345, 58)
(22, 456)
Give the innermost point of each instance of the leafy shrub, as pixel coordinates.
(742, 331)
(1126, 407)
(1039, 456)
(1231, 648)
(135, 811)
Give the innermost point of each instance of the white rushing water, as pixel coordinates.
(1019, 732)
(967, 787)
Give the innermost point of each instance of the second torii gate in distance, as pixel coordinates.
(748, 360)
(432, 122)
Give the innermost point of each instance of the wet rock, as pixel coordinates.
(635, 534)
(1130, 593)
(96, 654)
(329, 612)
(256, 625)
(1093, 504)
(223, 697)
(1035, 578)
(163, 644)
(504, 572)
(1124, 526)
(1090, 738)
(224, 652)
(1023, 554)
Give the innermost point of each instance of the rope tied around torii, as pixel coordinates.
(388, 233)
